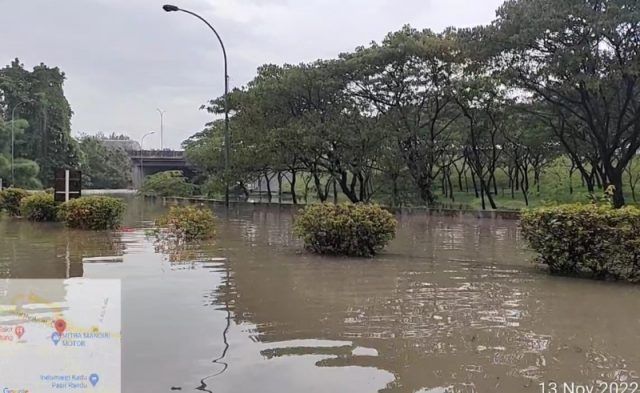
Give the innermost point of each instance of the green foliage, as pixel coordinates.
(579, 60)
(25, 171)
(188, 223)
(93, 212)
(10, 200)
(26, 174)
(104, 166)
(587, 240)
(345, 229)
(169, 183)
(40, 101)
(39, 207)
(546, 79)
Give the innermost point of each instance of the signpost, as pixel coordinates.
(67, 185)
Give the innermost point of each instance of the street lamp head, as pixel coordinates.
(170, 8)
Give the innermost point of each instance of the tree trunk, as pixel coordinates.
(524, 186)
(536, 178)
(279, 187)
(319, 188)
(466, 182)
(394, 190)
(495, 184)
(615, 177)
(571, 170)
(450, 183)
(632, 184)
(489, 196)
(484, 206)
(475, 185)
(307, 180)
(512, 181)
(424, 187)
(294, 196)
(268, 179)
(598, 180)
(245, 190)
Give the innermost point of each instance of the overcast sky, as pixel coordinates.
(125, 58)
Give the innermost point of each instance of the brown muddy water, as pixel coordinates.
(453, 305)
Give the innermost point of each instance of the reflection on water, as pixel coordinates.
(452, 306)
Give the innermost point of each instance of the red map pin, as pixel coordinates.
(19, 331)
(60, 326)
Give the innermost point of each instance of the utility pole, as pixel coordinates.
(227, 150)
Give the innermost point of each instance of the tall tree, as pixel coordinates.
(47, 140)
(582, 57)
(25, 172)
(407, 80)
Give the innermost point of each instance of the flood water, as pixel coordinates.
(453, 305)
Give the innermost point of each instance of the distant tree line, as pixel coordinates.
(424, 111)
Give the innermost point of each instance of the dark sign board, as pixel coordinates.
(60, 184)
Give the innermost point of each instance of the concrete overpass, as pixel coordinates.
(148, 162)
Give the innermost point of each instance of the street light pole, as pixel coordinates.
(161, 127)
(142, 156)
(13, 140)
(173, 8)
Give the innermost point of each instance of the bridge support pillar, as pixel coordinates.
(137, 177)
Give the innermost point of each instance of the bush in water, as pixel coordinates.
(93, 212)
(39, 207)
(188, 223)
(595, 241)
(10, 200)
(353, 230)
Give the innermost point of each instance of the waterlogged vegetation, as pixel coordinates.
(10, 200)
(92, 212)
(444, 279)
(538, 110)
(360, 230)
(586, 240)
(187, 223)
(40, 206)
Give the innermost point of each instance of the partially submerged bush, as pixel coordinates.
(347, 229)
(188, 223)
(10, 200)
(39, 207)
(589, 240)
(93, 212)
(166, 184)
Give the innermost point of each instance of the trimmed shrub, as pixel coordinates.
(595, 241)
(188, 223)
(352, 230)
(167, 184)
(39, 207)
(10, 200)
(93, 212)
